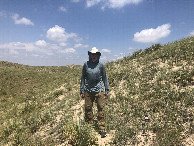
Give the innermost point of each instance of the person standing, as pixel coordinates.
(93, 77)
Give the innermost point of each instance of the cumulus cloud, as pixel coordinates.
(152, 35)
(191, 33)
(91, 3)
(112, 3)
(58, 34)
(23, 20)
(105, 51)
(69, 50)
(63, 9)
(41, 43)
(62, 44)
(80, 46)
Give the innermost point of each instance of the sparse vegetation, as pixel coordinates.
(79, 134)
(157, 82)
(154, 82)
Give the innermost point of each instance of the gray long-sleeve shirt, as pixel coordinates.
(93, 77)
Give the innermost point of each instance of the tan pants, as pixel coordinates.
(89, 99)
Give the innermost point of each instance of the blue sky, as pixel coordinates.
(60, 32)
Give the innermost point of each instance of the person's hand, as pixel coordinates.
(106, 96)
(82, 95)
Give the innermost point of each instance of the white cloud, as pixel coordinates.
(59, 35)
(80, 46)
(22, 20)
(105, 51)
(63, 9)
(152, 35)
(69, 50)
(19, 46)
(41, 43)
(191, 33)
(121, 3)
(112, 3)
(39, 46)
(62, 44)
(91, 3)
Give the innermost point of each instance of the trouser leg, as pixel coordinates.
(89, 99)
(101, 110)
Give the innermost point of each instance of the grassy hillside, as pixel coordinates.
(157, 82)
(21, 80)
(27, 94)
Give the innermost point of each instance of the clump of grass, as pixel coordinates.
(57, 93)
(79, 134)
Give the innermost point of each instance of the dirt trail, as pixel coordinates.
(78, 111)
(107, 139)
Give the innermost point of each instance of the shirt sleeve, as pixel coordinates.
(105, 80)
(83, 80)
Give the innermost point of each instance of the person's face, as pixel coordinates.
(94, 57)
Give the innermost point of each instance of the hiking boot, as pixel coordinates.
(103, 133)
